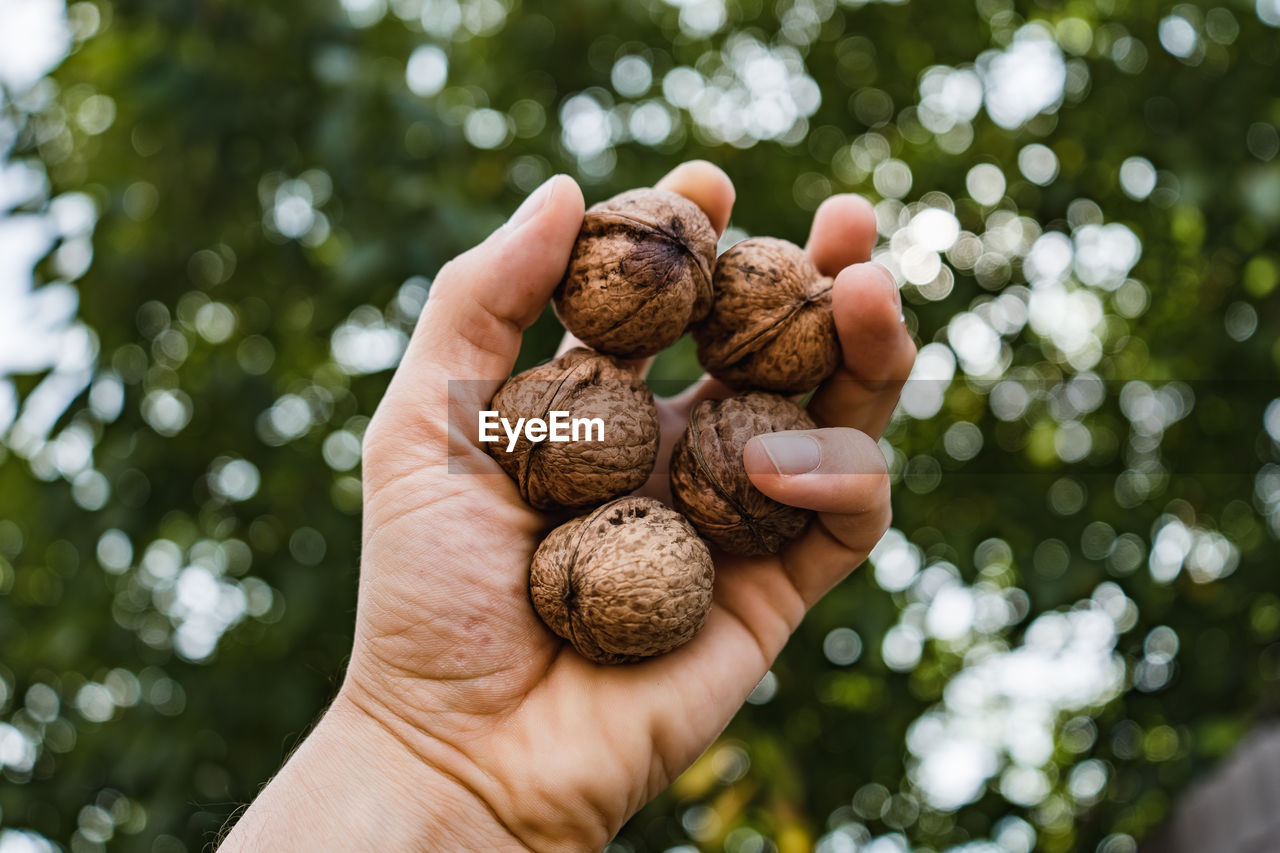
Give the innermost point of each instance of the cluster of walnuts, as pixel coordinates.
(631, 577)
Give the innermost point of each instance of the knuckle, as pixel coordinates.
(874, 500)
(871, 496)
(375, 443)
(449, 271)
(455, 267)
(907, 358)
(884, 520)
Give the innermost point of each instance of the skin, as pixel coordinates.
(462, 722)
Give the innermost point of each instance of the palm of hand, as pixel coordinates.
(450, 654)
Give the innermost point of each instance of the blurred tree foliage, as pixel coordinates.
(1077, 609)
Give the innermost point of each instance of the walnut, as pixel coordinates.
(771, 326)
(628, 581)
(579, 473)
(709, 482)
(639, 273)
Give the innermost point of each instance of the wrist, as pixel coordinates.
(353, 784)
(530, 798)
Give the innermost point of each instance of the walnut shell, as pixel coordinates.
(771, 325)
(709, 482)
(575, 474)
(628, 581)
(639, 274)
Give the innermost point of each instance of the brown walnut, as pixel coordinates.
(709, 482)
(639, 274)
(771, 325)
(627, 581)
(575, 474)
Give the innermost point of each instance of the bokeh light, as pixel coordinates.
(208, 280)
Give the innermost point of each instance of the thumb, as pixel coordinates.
(834, 470)
(841, 473)
(468, 336)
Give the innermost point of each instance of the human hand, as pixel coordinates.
(463, 723)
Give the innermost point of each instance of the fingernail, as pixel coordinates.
(792, 453)
(531, 205)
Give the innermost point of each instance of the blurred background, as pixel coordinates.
(219, 220)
